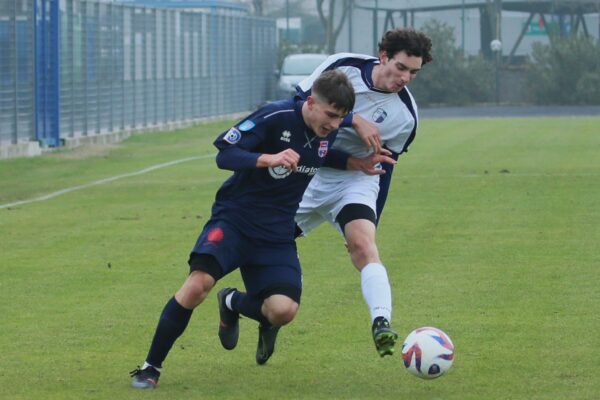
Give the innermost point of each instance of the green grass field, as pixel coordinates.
(491, 233)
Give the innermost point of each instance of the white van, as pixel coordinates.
(296, 67)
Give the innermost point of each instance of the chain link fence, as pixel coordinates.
(16, 71)
(102, 67)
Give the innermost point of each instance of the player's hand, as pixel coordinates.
(367, 132)
(288, 159)
(370, 165)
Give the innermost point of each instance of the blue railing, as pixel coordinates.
(74, 68)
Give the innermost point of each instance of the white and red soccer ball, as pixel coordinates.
(427, 352)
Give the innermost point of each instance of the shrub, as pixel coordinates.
(565, 72)
(451, 78)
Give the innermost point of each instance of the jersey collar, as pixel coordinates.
(367, 76)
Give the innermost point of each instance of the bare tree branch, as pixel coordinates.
(328, 21)
(321, 13)
(258, 7)
(342, 20)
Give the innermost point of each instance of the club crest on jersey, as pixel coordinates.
(285, 136)
(232, 136)
(323, 146)
(379, 115)
(246, 125)
(279, 172)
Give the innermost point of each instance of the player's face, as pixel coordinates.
(394, 73)
(323, 118)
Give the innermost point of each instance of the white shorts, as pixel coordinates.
(324, 199)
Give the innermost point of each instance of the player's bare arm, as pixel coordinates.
(368, 165)
(367, 132)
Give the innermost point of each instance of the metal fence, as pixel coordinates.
(106, 67)
(16, 71)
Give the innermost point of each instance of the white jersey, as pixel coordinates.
(394, 114)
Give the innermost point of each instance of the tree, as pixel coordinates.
(451, 78)
(258, 7)
(328, 21)
(565, 72)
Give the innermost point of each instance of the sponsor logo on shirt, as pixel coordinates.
(310, 171)
(285, 136)
(246, 125)
(282, 172)
(323, 145)
(379, 115)
(232, 136)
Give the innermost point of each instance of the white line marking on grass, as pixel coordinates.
(103, 181)
(168, 164)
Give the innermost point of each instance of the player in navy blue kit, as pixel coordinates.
(274, 153)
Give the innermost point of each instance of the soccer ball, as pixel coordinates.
(427, 352)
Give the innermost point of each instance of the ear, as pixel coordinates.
(383, 56)
(310, 101)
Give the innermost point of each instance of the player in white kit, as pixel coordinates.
(353, 201)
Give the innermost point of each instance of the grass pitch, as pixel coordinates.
(490, 233)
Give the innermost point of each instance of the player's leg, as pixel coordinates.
(205, 270)
(279, 310)
(232, 304)
(275, 310)
(172, 323)
(358, 223)
(359, 232)
(274, 288)
(229, 327)
(272, 313)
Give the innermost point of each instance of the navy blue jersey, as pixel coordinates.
(262, 202)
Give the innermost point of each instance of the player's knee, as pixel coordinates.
(361, 248)
(282, 312)
(284, 315)
(195, 289)
(360, 237)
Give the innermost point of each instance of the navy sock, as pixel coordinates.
(249, 306)
(172, 323)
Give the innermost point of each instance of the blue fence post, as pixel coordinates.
(47, 72)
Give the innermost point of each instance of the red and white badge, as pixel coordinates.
(323, 146)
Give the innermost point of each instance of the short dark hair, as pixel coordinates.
(335, 89)
(414, 43)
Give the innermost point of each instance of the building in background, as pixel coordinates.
(521, 23)
(222, 7)
(517, 24)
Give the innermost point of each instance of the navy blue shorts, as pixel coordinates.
(266, 268)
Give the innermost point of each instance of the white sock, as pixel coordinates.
(146, 365)
(376, 290)
(228, 300)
